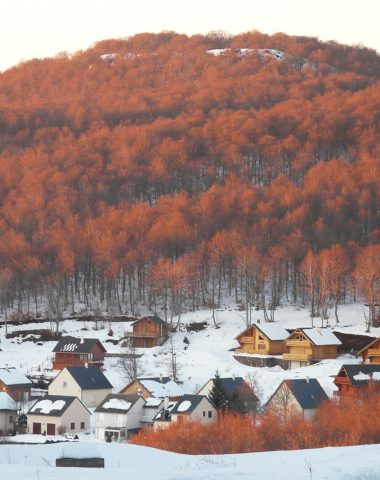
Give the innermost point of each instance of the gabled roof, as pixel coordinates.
(187, 404)
(360, 375)
(369, 345)
(53, 405)
(76, 345)
(13, 377)
(160, 387)
(117, 403)
(319, 336)
(272, 331)
(235, 385)
(89, 378)
(308, 392)
(153, 318)
(7, 402)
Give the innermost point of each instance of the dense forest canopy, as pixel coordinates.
(166, 168)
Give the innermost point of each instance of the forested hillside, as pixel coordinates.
(166, 169)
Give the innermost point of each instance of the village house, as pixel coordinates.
(371, 353)
(239, 394)
(58, 414)
(15, 384)
(297, 396)
(87, 383)
(158, 387)
(150, 331)
(196, 408)
(355, 380)
(71, 351)
(8, 414)
(119, 416)
(309, 345)
(264, 338)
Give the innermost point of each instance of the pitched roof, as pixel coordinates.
(187, 404)
(369, 345)
(308, 392)
(117, 403)
(76, 345)
(273, 331)
(13, 377)
(161, 387)
(89, 378)
(153, 318)
(53, 405)
(320, 336)
(235, 385)
(7, 402)
(359, 375)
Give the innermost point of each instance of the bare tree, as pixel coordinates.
(131, 362)
(173, 365)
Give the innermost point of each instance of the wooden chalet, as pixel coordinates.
(353, 380)
(72, 352)
(371, 353)
(148, 332)
(15, 384)
(309, 345)
(263, 338)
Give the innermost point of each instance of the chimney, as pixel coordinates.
(86, 365)
(307, 379)
(166, 403)
(81, 340)
(233, 376)
(161, 378)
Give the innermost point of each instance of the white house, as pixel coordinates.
(57, 414)
(87, 383)
(196, 408)
(8, 414)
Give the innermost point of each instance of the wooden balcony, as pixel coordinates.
(373, 352)
(297, 343)
(297, 357)
(141, 335)
(247, 340)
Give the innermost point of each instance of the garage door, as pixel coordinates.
(36, 428)
(51, 429)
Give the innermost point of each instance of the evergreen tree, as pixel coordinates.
(217, 396)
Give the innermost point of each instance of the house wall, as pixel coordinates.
(57, 386)
(200, 414)
(319, 352)
(7, 421)
(253, 341)
(283, 402)
(19, 394)
(43, 420)
(92, 398)
(132, 388)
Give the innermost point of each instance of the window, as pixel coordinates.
(204, 414)
(209, 414)
(82, 425)
(261, 346)
(64, 384)
(72, 425)
(261, 337)
(10, 418)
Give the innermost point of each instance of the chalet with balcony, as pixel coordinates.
(310, 345)
(371, 353)
(353, 380)
(71, 352)
(149, 332)
(15, 384)
(263, 338)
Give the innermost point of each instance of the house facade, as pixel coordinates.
(8, 414)
(309, 345)
(263, 338)
(353, 380)
(148, 332)
(157, 387)
(15, 384)
(89, 384)
(371, 353)
(57, 414)
(71, 351)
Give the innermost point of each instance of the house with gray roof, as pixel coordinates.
(150, 331)
(89, 384)
(158, 387)
(8, 414)
(72, 351)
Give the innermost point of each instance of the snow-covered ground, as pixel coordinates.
(37, 462)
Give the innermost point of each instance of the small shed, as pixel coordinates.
(264, 338)
(89, 384)
(355, 380)
(297, 396)
(157, 387)
(309, 345)
(15, 384)
(58, 414)
(8, 414)
(71, 351)
(371, 352)
(150, 331)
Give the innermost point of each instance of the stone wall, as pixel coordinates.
(80, 462)
(262, 361)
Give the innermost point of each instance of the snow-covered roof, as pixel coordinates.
(161, 389)
(117, 404)
(12, 376)
(152, 402)
(53, 405)
(184, 406)
(7, 402)
(321, 336)
(273, 331)
(188, 404)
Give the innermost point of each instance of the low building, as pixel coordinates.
(196, 408)
(71, 351)
(148, 332)
(158, 387)
(8, 414)
(297, 396)
(355, 380)
(15, 384)
(89, 384)
(309, 345)
(238, 393)
(371, 353)
(264, 338)
(58, 414)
